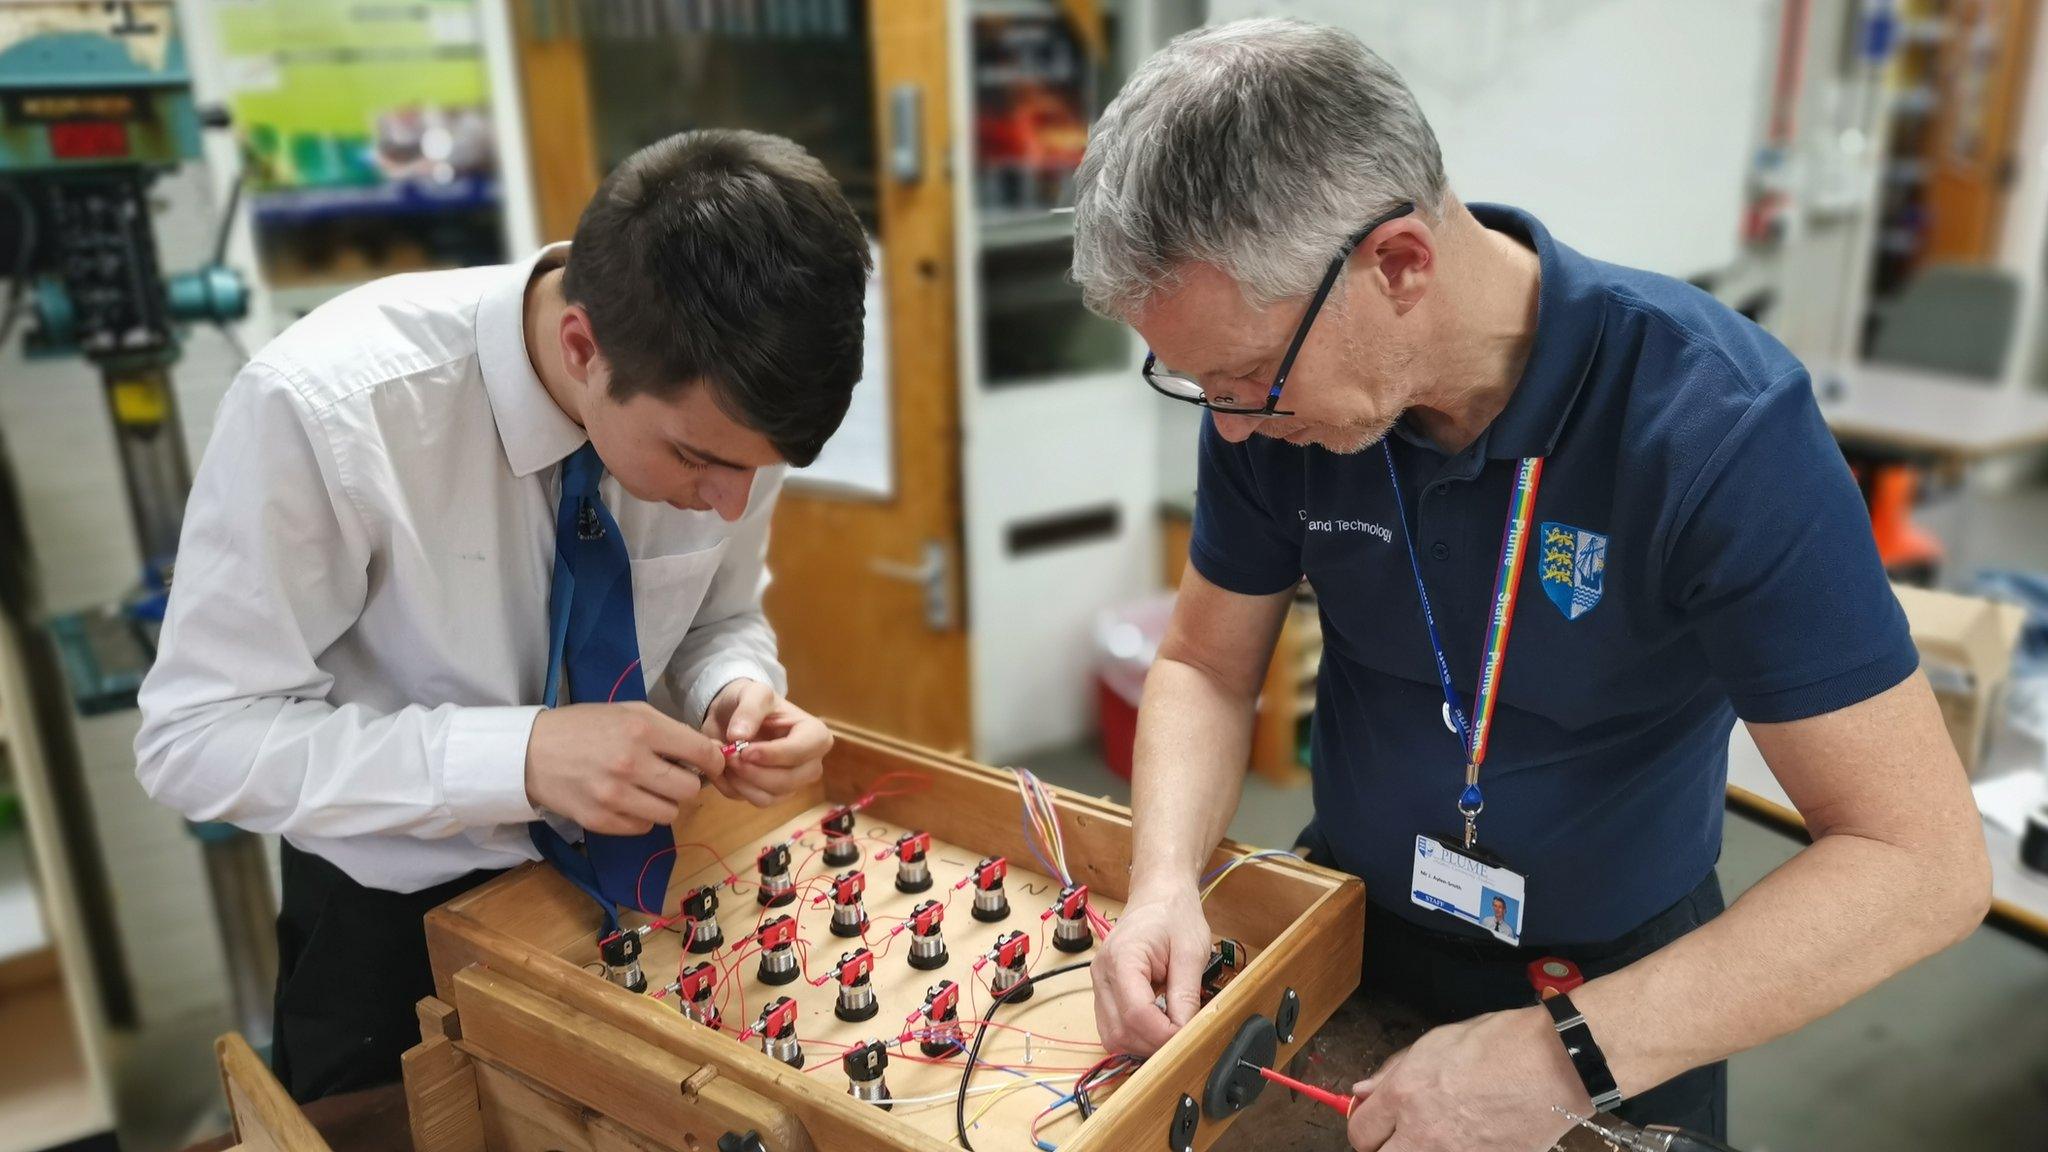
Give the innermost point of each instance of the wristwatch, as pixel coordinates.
(1587, 1059)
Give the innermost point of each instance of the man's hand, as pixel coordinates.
(616, 769)
(785, 749)
(1160, 942)
(1487, 1084)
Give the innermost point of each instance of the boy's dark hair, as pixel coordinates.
(733, 259)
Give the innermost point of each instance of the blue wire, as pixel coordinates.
(1062, 1102)
(1261, 854)
(1031, 842)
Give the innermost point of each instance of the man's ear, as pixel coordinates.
(1402, 255)
(578, 342)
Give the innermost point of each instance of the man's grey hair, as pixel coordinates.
(1259, 147)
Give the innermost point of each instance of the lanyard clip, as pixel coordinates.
(1470, 805)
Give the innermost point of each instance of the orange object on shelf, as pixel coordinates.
(1901, 544)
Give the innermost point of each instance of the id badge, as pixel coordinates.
(1472, 885)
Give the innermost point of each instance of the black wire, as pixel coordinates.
(1088, 1083)
(981, 1033)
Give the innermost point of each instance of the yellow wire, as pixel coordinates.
(999, 1097)
(1044, 817)
(1239, 862)
(941, 1099)
(1233, 866)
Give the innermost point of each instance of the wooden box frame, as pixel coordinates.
(523, 1049)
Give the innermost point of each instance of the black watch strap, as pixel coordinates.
(1587, 1059)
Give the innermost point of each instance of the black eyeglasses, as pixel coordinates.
(1176, 386)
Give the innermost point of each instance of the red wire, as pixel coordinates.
(732, 876)
(731, 985)
(731, 998)
(621, 681)
(799, 893)
(879, 789)
(803, 961)
(1040, 1037)
(689, 922)
(640, 881)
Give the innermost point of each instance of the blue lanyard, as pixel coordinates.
(1473, 733)
(1454, 709)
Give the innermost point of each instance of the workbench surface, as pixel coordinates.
(1927, 414)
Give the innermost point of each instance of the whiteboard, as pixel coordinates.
(1626, 126)
(859, 460)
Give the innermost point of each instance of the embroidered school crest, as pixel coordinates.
(1574, 568)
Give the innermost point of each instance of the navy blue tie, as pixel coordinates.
(594, 657)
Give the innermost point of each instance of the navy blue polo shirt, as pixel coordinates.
(1701, 553)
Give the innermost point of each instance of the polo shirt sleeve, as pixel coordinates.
(1773, 563)
(1238, 544)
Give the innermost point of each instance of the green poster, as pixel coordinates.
(354, 93)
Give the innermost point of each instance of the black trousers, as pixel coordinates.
(1446, 978)
(351, 966)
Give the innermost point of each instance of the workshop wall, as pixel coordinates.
(1609, 120)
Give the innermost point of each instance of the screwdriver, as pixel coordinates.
(1342, 1104)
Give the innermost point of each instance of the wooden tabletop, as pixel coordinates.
(1927, 414)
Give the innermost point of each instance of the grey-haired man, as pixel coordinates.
(1439, 414)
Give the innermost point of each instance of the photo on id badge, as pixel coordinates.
(1472, 887)
(1503, 914)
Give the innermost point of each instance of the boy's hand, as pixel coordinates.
(785, 749)
(617, 769)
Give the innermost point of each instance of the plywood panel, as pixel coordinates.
(1057, 1024)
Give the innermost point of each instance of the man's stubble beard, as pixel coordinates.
(1388, 363)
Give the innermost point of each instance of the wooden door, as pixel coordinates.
(867, 599)
(1970, 159)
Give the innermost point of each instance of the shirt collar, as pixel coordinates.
(1570, 309)
(535, 430)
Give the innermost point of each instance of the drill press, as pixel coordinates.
(99, 104)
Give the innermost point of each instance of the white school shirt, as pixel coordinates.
(358, 629)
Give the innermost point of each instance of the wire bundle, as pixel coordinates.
(1041, 820)
(1042, 825)
(1096, 1077)
(1214, 878)
(981, 1034)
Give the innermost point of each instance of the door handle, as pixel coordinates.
(934, 574)
(906, 133)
